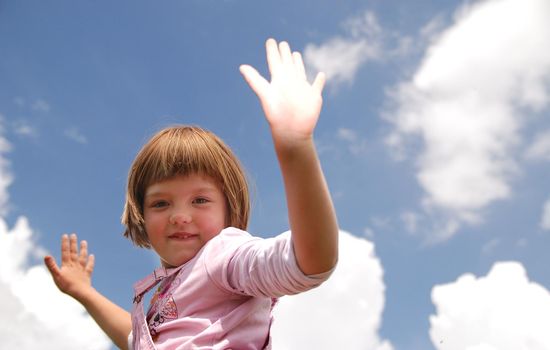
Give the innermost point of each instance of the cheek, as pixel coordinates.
(152, 223)
(213, 224)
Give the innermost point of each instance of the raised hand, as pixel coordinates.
(291, 104)
(74, 277)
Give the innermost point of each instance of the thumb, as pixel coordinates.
(50, 263)
(319, 82)
(257, 83)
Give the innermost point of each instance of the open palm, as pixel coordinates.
(291, 104)
(75, 273)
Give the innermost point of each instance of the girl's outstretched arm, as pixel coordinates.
(292, 106)
(74, 278)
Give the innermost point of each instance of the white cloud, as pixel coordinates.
(467, 102)
(545, 220)
(540, 148)
(343, 313)
(6, 177)
(503, 311)
(34, 313)
(74, 134)
(340, 57)
(433, 29)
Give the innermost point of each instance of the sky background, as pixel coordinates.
(434, 138)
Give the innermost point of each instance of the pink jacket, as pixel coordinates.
(222, 298)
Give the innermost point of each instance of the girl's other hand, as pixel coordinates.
(74, 277)
(291, 104)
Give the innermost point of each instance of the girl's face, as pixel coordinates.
(182, 214)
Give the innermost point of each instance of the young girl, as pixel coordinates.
(187, 199)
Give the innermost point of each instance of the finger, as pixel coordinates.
(83, 256)
(319, 82)
(52, 266)
(257, 83)
(299, 65)
(65, 250)
(273, 56)
(90, 264)
(286, 54)
(73, 247)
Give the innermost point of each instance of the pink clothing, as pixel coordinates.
(222, 298)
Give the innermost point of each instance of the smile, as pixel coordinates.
(182, 235)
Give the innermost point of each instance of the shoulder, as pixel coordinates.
(229, 237)
(232, 239)
(223, 246)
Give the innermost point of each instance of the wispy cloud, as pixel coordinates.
(24, 128)
(502, 310)
(40, 105)
(37, 105)
(489, 247)
(410, 220)
(343, 313)
(355, 142)
(467, 102)
(545, 219)
(19, 101)
(540, 148)
(74, 134)
(341, 56)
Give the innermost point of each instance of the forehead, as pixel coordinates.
(184, 183)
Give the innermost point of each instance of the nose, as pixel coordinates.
(180, 217)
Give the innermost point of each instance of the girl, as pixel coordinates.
(187, 199)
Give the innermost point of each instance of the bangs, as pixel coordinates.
(181, 151)
(184, 154)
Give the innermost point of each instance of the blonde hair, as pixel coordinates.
(184, 150)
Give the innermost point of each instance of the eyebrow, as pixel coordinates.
(201, 189)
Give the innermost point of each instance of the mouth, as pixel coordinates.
(182, 236)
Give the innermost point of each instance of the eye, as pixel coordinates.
(159, 204)
(200, 200)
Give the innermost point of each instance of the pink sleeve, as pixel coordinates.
(242, 264)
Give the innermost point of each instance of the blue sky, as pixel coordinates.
(434, 138)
